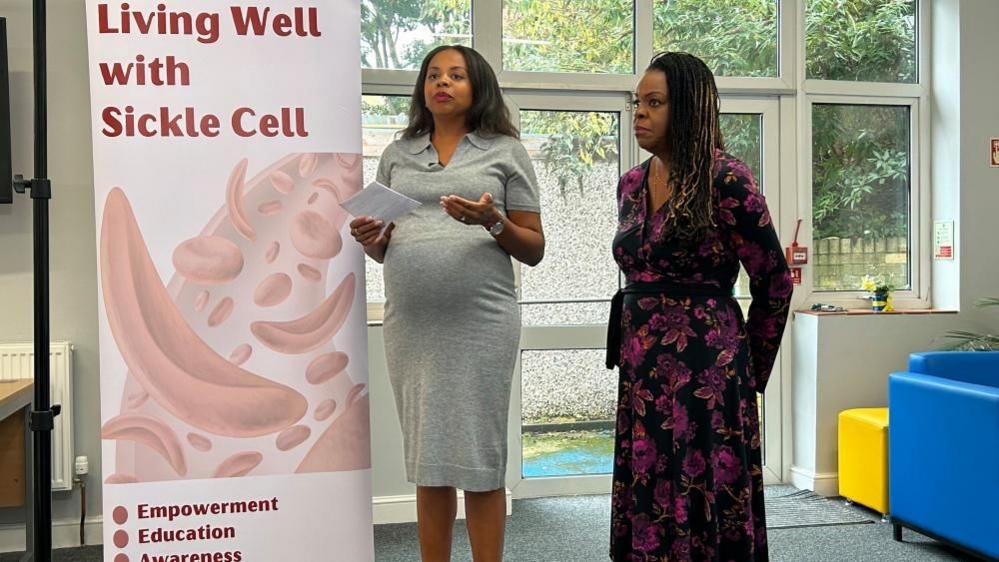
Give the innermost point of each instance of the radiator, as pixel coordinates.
(17, 361)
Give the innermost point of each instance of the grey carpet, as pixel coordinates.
(576, 529)
(804, 508)
(82, 554)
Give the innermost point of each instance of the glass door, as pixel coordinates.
(562, 416)
(751, 130)
(564, 399)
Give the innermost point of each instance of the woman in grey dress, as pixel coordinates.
(452, 324)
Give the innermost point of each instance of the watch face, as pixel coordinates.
(496, 228)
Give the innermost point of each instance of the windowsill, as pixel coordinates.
(869, 312)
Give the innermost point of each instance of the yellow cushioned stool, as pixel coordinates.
(863, 457)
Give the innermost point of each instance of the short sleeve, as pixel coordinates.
(384, 174)
(521, 182)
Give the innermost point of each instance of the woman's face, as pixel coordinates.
(652, 112)
(447, 89)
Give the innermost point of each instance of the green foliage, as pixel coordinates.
(589, 36)
(391, 105)
(973, 341)
(574, 143)
(596, 443)
(864, 40)
(860, 156)
(383, 21)
(733, 38)
(741, 133)
(860, 171)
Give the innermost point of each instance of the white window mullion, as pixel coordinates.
(554, 81)
(870, 89)
(753, 86)
(922, 209)
(924, 32)
(644, 23)
(487, 31)
(788, 37)
(372, 77)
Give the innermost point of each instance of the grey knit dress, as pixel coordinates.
(452, 323)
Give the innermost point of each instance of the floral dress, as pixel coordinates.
(688, 479)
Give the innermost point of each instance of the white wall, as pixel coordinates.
(387, 465)
(73, 261)
(979, 199)
(843, 362)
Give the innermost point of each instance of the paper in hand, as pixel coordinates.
(379, 202)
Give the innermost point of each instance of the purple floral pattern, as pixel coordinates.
(688, 478)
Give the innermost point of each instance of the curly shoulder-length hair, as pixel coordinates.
(694, 135)
(488, 115)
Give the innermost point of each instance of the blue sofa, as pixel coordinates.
(943, 449)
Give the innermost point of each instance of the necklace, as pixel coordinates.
(658, 185)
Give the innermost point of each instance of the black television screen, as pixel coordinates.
(6, 173)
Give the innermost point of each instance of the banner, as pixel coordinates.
(234, 400)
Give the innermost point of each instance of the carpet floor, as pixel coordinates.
(576, 529)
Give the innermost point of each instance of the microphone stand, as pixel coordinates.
(42, 414)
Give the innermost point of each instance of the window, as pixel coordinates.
(866, 107)
(594, 36)
(829, 116)
(577, 161)
(743, 135)
(861, 40)
(397, 34)
(861, 176)
(733, 38)
(381, 118)
(567, 433)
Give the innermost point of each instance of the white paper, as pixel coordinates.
(379, 202)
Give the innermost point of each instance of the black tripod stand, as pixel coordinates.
(42, 414)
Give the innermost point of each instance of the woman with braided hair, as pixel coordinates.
(688, 479)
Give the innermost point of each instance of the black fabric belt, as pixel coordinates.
(658, 288)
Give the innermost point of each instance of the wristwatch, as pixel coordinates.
(496, 228)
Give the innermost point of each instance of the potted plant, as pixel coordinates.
(973, 341)
(879, 291)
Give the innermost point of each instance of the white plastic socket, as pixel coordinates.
(82, 465)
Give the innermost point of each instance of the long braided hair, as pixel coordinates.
(694, 135)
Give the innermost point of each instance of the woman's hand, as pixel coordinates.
(482, 212)
(521, 236)
(367, 231)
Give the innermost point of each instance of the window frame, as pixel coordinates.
(376, 310)
(916, 297)
(795, 95)
(917, 97)
(602, 102)
(560, 337)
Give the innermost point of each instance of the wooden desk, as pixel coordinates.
(15, 396)
(16, 462)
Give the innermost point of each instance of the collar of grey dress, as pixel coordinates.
(419, 144)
